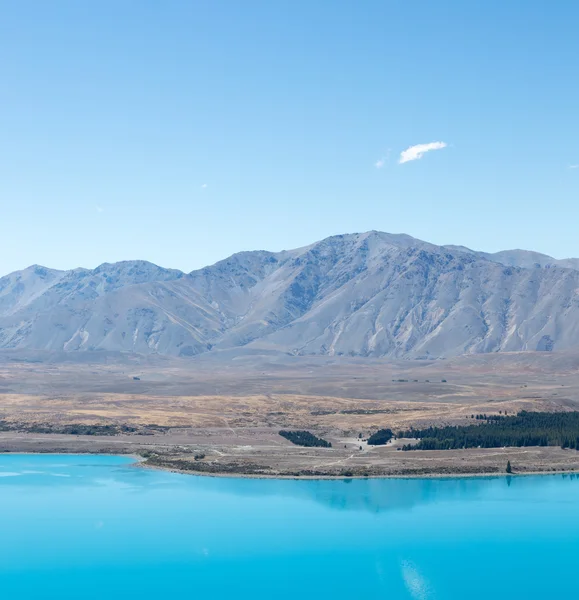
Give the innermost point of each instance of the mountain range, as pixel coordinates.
(369, 294)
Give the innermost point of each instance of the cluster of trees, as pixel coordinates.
(524, 429)
(305, 438)
(485, 417)
(381, 437)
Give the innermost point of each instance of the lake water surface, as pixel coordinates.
(97, 527)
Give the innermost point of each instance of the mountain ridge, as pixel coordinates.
(367, 294)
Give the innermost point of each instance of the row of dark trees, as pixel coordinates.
(524, 429)
(381, 437)
(305, 438)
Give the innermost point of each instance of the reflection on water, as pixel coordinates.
(69, 520)
(373, 495)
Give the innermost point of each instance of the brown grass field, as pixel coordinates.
(230, 407)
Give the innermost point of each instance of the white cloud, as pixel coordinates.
(99, 209)
(204, 186)
(382, 161)
(574, 166)
(418, 151)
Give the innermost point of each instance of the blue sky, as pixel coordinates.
(115, 115)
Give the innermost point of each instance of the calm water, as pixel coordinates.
(96, 527)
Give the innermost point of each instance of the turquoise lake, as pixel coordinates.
(98, 527)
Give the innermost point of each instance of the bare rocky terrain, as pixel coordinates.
(360, 295)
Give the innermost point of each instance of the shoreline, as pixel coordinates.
(259, 455)
(458, 475)
(141, 463)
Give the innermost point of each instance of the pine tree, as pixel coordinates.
(509, 469)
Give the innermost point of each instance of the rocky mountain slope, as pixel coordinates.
(370, 294)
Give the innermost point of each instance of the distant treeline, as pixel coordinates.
(80, 428)
(381, 437)
(305, 438)
(524, 429)
(415, 381)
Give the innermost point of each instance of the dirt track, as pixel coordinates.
(261, 452)
(231, 411)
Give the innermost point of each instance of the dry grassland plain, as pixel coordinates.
(221, 414)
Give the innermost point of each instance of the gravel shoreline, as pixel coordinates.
(195, 453)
